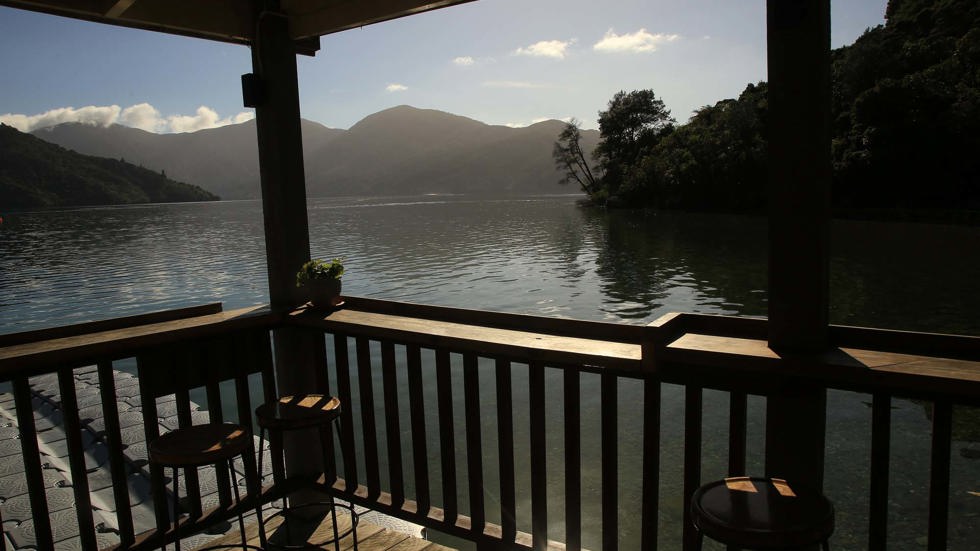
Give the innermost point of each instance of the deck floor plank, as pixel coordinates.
(370, 537)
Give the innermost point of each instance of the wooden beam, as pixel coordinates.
(799, 172)
(287, 240)
(119, 8)
(799, 228)
(317, 17)
(280, 140)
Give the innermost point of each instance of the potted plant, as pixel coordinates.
(321, 279)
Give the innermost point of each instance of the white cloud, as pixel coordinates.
(395, 87)
(639, 42)
(244, 116)
(464, 61)
(142, 115)
(511, 84)
(546, 48)
(204, 118)
(96, 116)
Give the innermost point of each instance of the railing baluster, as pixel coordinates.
(369, 429)
(76, 458)
(191, 481)
(474, 442)
(737, 426)
(117, 465)
(651, 463)
(416, 402)
(610, 460)
(346, 413)
(322, 377)
(32, 463)
(147, 364)
(505, 451)
(573, 459)
(692, 458)
(881, 426)
(255, 356)
(216, 413)
(942, 429)
(447, 435)
(539, 471)
(392, 424)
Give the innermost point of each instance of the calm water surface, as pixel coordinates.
(548, 257)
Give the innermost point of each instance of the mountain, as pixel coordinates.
(222, 160)
(405, 151)
(35, 173)
(398, 151)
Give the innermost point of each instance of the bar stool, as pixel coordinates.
(197, 446)
(762, 514)
(301, 411)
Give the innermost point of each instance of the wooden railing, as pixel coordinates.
(502, 429)
(179, 349)
(495, 354)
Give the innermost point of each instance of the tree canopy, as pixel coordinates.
(906, 127)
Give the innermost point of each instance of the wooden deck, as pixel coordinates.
(370, 536)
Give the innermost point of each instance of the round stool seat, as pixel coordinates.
(762, 513)
(199, 445)
(298, 412)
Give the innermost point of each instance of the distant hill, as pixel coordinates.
(398, 151)
(35, 173)
(224, 160)
(404, 150)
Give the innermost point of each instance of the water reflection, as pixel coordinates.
(538, 256)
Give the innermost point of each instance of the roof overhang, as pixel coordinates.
(234, 20)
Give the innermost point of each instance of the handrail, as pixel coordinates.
(911, 364)
(50, 333)
(32, 358)
(618, 332)
(477, 338)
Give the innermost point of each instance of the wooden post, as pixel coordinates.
(799, 226)
(277, 118)
(287, 240)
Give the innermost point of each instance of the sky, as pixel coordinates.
(505, 62)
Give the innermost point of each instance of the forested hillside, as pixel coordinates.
(35, 173)
(906, 127)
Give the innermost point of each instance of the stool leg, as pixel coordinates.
(336, 532)
(353, 527)
(176, 509)
(238, 500)
(263, 542)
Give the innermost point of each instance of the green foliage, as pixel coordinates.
(35, 173)
(631, 126)
(320, 269)
(906, 127)
(571, 160)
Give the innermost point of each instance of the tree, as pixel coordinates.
(570, 159)
(630, 127)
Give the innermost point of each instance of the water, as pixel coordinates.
(543, 256)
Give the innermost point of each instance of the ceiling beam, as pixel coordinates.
(119, 8)
(319, 17)
(234, 20)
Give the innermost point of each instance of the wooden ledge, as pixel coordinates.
(843, 367)
(33, 357)
(531, 346)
